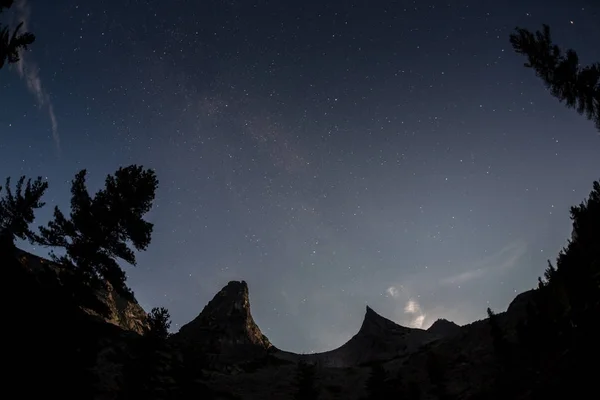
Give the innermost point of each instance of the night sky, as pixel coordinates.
(390, 153)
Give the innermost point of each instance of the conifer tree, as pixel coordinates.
(17, 209)
(149, 371)
(159, 322)
(12, 43)
(578, 264)
(101, 229)
(567, 80)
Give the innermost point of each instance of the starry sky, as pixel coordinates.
(331, 153)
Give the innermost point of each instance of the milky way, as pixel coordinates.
(396, 154)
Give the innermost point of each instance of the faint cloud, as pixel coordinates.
(393, 291)
(463, 277)
(29, 71)
(505, 258)
(413, 308)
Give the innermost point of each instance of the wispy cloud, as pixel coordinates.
(413, 308)
(505, 258)
(393, 291)
(29, 71)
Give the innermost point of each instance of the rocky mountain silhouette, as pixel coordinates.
(122, 312)
(222, 353)
(225, 328)
(378, 339)
(444, 328)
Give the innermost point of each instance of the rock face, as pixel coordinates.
(378, 339)
(50, 325)
(444, 328)
(127, 314)
(225, 327)
(520, 302)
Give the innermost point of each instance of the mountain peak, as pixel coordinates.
(443, 327)
(374, 323)
(225, 326)
(235, 291)
(370, 312)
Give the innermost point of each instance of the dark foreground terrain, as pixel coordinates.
(88, 341)
(58, 346)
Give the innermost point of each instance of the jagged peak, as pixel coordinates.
(233, 288)
(231, 303)
(370, 311)
(373, 323)
(444, 327)
(228, 316)
(443, 321)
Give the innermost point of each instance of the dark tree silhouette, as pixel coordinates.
(376, 385)
(12, 43)
(305, 382)
(150, 371)
(100, 229)
(577, 86)
(17, 209)
(159, 322)
(578, 264)
(560, 332)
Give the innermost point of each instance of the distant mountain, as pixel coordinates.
(222, 353)
(378, 339)
(225, 328)
(444, 328)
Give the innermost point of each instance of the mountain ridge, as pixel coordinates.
(224, 348)
(225, 327)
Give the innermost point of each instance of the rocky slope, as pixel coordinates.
(444, 328)
(125, 313)
(225, 328)
(378, 339)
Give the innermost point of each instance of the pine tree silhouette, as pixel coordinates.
(159, 322)
(577, 86)
(12, 43)
(578, 264)
(17, 209)
(149, 372)
(100, 229)
(561, 330)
